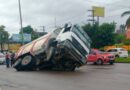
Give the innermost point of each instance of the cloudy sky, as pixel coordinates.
(39, 13)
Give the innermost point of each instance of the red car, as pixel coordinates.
(100, 57)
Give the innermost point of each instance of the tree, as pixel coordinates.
(122, 28)
(101, 35)
(2, 28)
(29, 30)
(119, 38)
(127, 41)
(4, 35)
(128, 20)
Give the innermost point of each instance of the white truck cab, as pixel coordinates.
(75, 37)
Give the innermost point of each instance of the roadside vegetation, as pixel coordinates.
(122, 60)
(101, 35)
(104, 34)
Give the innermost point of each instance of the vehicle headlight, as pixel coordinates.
(104, 57)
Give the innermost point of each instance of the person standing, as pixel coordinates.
(7, 60)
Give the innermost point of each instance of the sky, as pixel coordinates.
(49, 13)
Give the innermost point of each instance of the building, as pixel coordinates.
(128, 32)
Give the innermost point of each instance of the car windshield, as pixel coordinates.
(122, 49)
(101, 52)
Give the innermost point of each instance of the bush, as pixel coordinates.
(101, 35)
(122, 60)
(127, 41)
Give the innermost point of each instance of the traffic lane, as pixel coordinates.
(90, 77)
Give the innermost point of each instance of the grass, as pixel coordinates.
(123, 60)
(129, 52)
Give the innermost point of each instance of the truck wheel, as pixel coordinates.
(72, 68)
(69, 66)
(28, 63)
(17, 64)
(99, 62)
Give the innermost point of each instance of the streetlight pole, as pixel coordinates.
(21, 22)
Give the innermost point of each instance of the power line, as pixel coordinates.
(67, 20)
(76, 17)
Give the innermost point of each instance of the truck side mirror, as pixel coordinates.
(67, 27)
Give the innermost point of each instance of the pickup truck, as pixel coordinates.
(65, 48)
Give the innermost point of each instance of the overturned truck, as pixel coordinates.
(65, 48)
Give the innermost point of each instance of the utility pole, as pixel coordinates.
(55, 22)
(98, 20)
(21, 22)
(93, 18)
(43, 28)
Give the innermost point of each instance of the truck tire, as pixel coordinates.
(72, 68)
(17, 64)
(28, 63)
(69, 66)
(99, 62)
(50, 51)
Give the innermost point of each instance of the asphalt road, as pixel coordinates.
(90, 77)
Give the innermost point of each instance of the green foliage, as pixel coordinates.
(124, 14)
(119, 38)
(2, 28)
(29, 30)
(129, 52)
(101, 35)
(122, 28)
(119, 45)
(127, 41)
(122, 60)
(4, 35)
(34, 35)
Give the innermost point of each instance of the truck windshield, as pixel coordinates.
(82, 35)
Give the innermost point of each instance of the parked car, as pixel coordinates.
(65, 48)
(2, 58)
(118, 52)
(100, 57)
